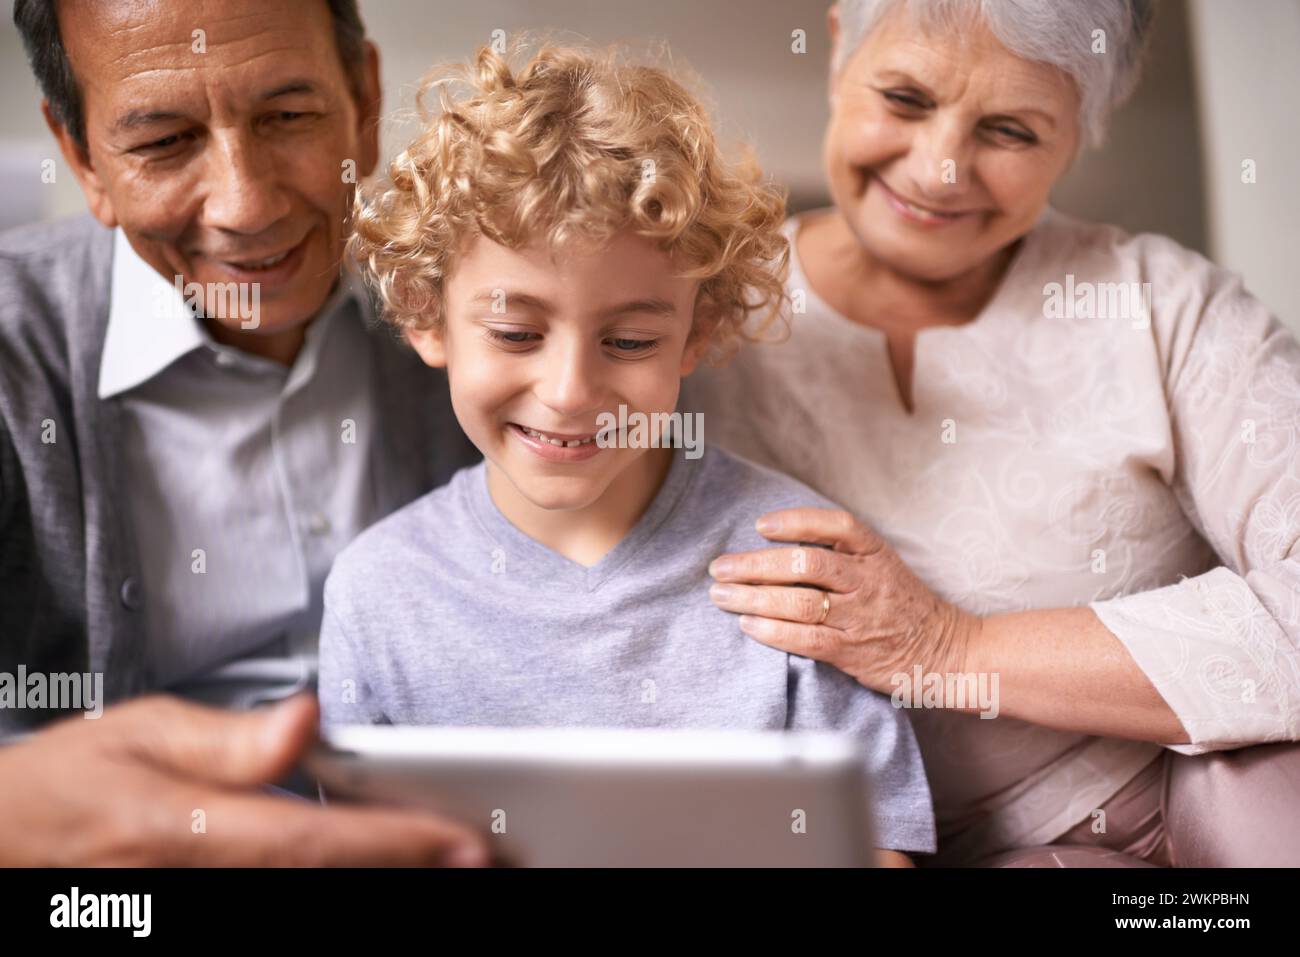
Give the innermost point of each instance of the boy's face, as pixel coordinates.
(542, 345)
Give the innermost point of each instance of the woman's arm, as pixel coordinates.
(1063, 668)
(1060, 668)
(1209, 662)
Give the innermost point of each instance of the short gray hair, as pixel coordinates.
(1059, 33)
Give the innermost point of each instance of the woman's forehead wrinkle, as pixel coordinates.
(1015, 84)
(936, 69)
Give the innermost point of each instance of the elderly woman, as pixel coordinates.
(1072, 454)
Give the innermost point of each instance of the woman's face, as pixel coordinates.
(942, 149)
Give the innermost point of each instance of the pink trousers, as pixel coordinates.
(1223, 809)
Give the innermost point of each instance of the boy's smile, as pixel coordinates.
(555, 447)
(536, 348)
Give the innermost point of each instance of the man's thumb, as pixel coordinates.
(237, 749)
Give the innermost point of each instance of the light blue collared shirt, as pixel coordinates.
(247, 478)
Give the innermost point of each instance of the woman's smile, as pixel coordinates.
(916, 213)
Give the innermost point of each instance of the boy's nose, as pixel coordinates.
(571, 386)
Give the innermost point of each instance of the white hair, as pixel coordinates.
(1060, 33)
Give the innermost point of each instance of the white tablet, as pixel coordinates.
(589, 797)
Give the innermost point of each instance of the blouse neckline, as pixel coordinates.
(877, 338)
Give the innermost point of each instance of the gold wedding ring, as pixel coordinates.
(826, 607)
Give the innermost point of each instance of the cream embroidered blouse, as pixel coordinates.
(1065, 448)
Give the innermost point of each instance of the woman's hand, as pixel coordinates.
(866, 614)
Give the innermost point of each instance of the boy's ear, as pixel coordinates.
(697, 344)
(428, 345)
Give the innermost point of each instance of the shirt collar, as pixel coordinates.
(150, 326)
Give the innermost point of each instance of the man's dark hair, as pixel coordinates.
(38, 23)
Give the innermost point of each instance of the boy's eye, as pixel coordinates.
(633, 345)
(511, 337)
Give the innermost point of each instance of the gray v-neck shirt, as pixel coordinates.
(445, 613)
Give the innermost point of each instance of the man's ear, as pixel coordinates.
(428, 345)
(78, 160)
(368, 112)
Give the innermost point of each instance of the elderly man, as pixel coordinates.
(195, 416)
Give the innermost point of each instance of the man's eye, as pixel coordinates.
(165, 143)
(287, 118)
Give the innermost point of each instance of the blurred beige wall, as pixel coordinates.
(1151, 176)
(1248, 83)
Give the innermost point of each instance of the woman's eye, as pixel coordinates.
(904, 100)
(1015, 133)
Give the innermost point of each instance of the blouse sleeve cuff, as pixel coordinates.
(1220, 660)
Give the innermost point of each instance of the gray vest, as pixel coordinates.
(69, 570)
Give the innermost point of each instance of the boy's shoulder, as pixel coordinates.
(436, 522)
(738, 490)
(762, 479)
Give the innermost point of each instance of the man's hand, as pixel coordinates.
(125, 789)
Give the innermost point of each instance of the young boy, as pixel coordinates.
(568, 243)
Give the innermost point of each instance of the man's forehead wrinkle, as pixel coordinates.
(170, 50)
(210, 66)
(187, 21)
(199, 59)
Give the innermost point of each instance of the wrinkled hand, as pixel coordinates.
(881, 619)
(123, 789)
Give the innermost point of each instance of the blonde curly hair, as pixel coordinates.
(574, 145)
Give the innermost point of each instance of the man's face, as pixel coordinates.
(540, 345)
(222, 153)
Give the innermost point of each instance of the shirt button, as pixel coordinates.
(129, 593)
(318, 524)
(224, 360)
